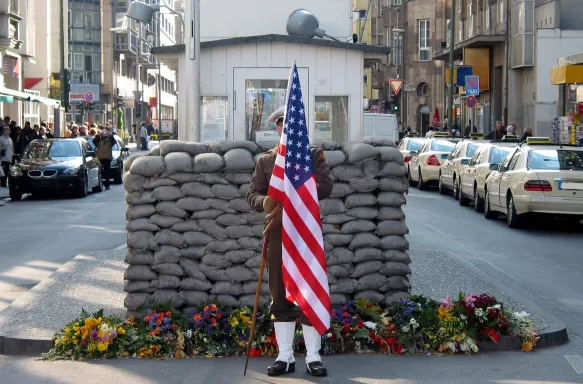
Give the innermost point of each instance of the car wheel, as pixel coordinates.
(15, 195)
(83, 186)
(478, 202)
(488, 213)
(512, 219)
(441, 188)
(99, 186)
(118, 177)
(456, 190)
(462, 199)
(422, 185)
(409, 179)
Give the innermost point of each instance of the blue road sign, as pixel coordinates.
(472, 85)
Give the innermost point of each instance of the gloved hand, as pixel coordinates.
(273, 219)
(269, 204)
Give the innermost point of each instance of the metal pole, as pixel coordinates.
(159, 77)
(451, 48)
(137, 98)
(195, 62)
(57, 111)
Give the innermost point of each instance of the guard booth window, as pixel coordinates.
(331, 118)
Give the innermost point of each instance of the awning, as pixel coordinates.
(569, 74)
(29, 97)
(30, 82)
(6, 99)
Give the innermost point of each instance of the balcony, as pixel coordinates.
(475, 36)
(10, 25)
(126, 42)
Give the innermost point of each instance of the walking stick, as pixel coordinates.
(255, 308)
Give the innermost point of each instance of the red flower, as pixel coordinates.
(197, 317)
(136, 325)
(371, 334)
(399, 349)
(360, 324)
(174, 327)
(213, 321)
(206, 309)
(391, 341)
(377, 339)
(346, 328)
(218, 315)
(213, 307)
(168, 313)
(147, 318)
(345, 314)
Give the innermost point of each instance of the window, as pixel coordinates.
(77, 19)
(78, 63)
(472, 148)
(470, 18)
(501, 11)
(69, 60)
(486, 15)
(497, 155)
(397, 2)
(563, 160)
(88, 62)
(331, 117)
(262, 98)
(96, 20)
(214, 119)
(424, 50)
(365, 80)
(442, 146)
(398, 49)
(97, 62)
(87, 21)
(32, 110)
(362, 13)
(413, 145)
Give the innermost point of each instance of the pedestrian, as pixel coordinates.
(6, 154)
(527, 133)
(74, 131)
(93, 132)
(42, 133)
(144, 136)
(26, 136)
(430, 134)
(510, 130)
(83, 131)
(104, 144)
(284, 312)
(51, 131)
(497, 134)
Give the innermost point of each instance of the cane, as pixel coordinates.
(255, 308)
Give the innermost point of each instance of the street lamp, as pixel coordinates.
(400, 56)
(303, 23)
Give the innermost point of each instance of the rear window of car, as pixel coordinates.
(556, 160)
(442, 146)
(472, 148)
(414, 145)
(497, 155)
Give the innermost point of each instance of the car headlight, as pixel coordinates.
(16, 171)
(71, 171)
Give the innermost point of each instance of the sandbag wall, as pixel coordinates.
(192, 234)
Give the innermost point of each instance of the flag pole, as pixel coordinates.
(257, 293)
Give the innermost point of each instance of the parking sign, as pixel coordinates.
(472, 85)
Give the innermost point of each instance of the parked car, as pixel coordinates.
(537, 177)
(62, 165)
(423, 168)
(119, 153)
(452, 166)
(409, 146)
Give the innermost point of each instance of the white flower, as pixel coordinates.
(412, 322)
(463, 317)
(479, 312)
(405, 328)
(188, 333)
(105, 327)
(370, 324)
(521, 315)
(497, 306)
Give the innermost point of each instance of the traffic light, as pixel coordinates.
(139, 110)
(396, 103)
(387, 105)
(81, 105)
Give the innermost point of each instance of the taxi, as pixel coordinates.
(537, 177)
(458, 158)
(409, 146)
(472, 177)
(423, 168)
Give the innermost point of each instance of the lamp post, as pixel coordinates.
(400, 56)
(451, 48)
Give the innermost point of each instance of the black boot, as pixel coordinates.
(317, 368)
(280, 368)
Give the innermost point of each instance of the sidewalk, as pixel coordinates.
(4, 193)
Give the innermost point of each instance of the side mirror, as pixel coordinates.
(494, 166)
(90, 154)
(125, 150)
(465, 161)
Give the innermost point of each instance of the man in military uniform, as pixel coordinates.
(284, 312)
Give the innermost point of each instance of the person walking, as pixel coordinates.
(430, 133)
(284, 312)
(527, 133)
(26, 136)
(497, 134)
(103, 150)
(6, 153)
(144, 136)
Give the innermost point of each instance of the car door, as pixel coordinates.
(91, 164)
(506, 179)
(467, 173)
(494, 182)
(449, 165)
(414, 163)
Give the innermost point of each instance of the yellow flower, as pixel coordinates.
(527, 347)
(121, 331)
(102, 347)
(131, 319)
(91, 347)
(233, 322)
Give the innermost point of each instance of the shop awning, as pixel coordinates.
(6, 99)
(568, 74)
(29, 97)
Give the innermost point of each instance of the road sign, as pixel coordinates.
(396, 85)
(375, 109)
(472, 85)
(409, 88)
(88, 96)
(471, 101)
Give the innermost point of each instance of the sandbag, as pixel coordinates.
(155, 182)
(207, 162)
(226, 288)
(193, 298)
(395, 296)
(135, 257)
(240, 273)
(169, 269)
(184, 177)
(238, 177)
(258, 230)
(142, 240)
(166, 282)
(344, 285)
(250, 288)
(177, 162)
(139, 272)
(253, 218)
(394, 268)
(397, 255)
(393, 184)
(265, 275)
(192, 269)
(186, 226)
(364, 184)
(130, 160)
(197, 189)
(193, 252)
(253, 243)
(223, 245)
(254, 262)
(215, 260)
(154, 151)
(230, 219)
(346, 172)
(391, 227)
(360, 151)
(328, 247)
(207, 214)
(163, 221)
(193, 149)
(334, 158)
(225, 191)
(213, 229)
(338, 239)
(372, 281)
(225, 146)
(330, 228)
(192, 204)
(169, 208)
(338, 299)
(331, 278)
(192, 284)
(249, 300)
(145, 197)
(341, 270)
(141, 224)
(394, 242)
(147, 166)
(168, 237)
(364, 240)
(391, 199)
(391, 213)
(370, 168)
(238, 231)
(327, 145)
(214, 273)
(393, 169)
(165, 296)
(138, 286)
(140, 210)
(358, 226)
(135, 301)
(367, 254)
(240, 204)
(372, 296)
(221, 205)
(197, 238)
(168, 193)
(339, 256)
(396, 283)
(133, 183)
(341, 190)
(367, 268)
(363, 213)
(167, 254)
(212, 178)
(389, 154)
(239, 159)
(239, 256)
(339, 218)
(331, 206)
(360, 200)
(244, 189)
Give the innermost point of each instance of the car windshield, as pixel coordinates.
(556, 160)
(92, 146)
(52, 149)
(497, 155)
(472, 148)
(414, 145)
(442, 146)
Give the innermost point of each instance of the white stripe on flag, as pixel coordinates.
(304, 212)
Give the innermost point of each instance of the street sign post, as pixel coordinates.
(88, 96)
(471, 101)
(396, 85)
(472, 85)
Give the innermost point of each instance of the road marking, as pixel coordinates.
(576, 362)
(120, 247)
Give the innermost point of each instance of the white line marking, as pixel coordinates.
(120, 247)
(576, 362)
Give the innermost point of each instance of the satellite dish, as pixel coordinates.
(303, 23)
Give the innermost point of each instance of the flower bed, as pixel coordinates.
(415, 325)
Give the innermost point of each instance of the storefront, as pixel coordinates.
(568, 127)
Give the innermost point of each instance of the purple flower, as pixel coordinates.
(199, 324)
(94, 335)
(166, 320)
(105, 337)
(210, 329)
(113, 334)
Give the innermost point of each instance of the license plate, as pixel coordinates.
(571, 186)
(444, 156)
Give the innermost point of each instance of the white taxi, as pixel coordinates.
(423, 168)
(450, 168)
(409, 146)
(472, 177)
(537, 177)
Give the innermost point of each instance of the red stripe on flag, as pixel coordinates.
(278, 172)
(281, 149)
(309, 202)
(276, 194)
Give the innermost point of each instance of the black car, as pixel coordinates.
(61, 165)
(119, 153)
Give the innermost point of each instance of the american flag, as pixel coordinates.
(294, 185)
